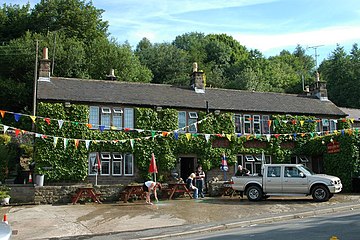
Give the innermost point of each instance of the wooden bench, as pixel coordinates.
(132, 191)
(85, 192)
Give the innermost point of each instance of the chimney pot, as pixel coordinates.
(45, 53)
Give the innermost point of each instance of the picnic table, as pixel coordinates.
(133, 190)
(85, 192)
(177, 188)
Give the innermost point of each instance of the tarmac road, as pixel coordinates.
(165, 219)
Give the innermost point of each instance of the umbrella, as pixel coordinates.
(98, 167)
(152, 167)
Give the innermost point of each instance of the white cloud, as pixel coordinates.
(325, 36)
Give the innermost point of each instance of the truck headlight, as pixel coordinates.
(332, 183)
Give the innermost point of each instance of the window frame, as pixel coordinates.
(256, 122)
(237, 123)
(247, 121)
(132, 165)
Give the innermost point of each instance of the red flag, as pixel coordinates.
(152, 167)
(98, 162)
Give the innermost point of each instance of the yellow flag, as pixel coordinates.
(188, 136)
(33, 118)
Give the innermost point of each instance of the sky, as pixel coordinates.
(267, 25)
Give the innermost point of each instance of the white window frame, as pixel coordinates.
(91, 162)
(105, 160)
(256, 124)
(132, 164)
(129, 118)
(238, 123)
(94, 116)
(265, 124)
(192, 122)
(182, 121)
(333, 126)
(247, 122)
(117, 118)
(117, 158)
(325, 124)
(105, 117)
(249, 158)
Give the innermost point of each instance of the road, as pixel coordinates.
(340, 225)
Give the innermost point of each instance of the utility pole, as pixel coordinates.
(35, 78)
(316, 55)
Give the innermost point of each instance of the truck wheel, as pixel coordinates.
(320, 193)
(254, 193)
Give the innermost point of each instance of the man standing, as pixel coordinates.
(200, 180)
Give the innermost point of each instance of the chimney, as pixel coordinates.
(198, 79)
(44, 70)
(111, 76)
(318, 88)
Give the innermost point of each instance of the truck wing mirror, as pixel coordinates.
(302, 174)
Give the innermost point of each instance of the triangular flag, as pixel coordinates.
(60, 122)
(76, 142)
(302, 122)
(228, 136)
(153, 134)
(2, 112)
(37, 135)
(55, 141)
(268, 137)
(176, 135)
(101, 128)
(269, 123)
(188, 136)
(17, 131)
(65, 142)
(33, 118)
(87, 144)
(47, 120)
(17, 117)
(132, 143)
(207, 137)
(89, 125)
(164, 134)
(5, 128)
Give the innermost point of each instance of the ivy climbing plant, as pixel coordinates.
(159, 135)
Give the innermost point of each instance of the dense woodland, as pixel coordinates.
(80, 46)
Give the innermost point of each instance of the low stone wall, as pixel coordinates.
(29, 193)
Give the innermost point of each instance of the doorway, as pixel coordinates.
(187, 167)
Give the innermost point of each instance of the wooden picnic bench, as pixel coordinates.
(85, 192)
(132, 191)
(177, 188)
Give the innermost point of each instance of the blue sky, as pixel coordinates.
(267, 25)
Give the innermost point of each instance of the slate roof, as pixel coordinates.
(352, 113)
(150, 95)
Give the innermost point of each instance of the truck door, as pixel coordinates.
(272, 180)
(294, 182)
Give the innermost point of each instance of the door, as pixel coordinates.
(294, 182)
(187, 167)
(272, 180)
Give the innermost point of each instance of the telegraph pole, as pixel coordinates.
(35, 78)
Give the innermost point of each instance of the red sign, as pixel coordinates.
(333, 147)
(220, 143)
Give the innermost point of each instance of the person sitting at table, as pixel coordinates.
(242, 171)
(190, 185)
(148, 187)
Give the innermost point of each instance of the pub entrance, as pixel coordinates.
(187, 166)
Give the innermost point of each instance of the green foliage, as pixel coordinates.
(70, 163)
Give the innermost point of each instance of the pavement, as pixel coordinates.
(168, 218)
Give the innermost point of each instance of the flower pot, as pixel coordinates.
(5, 201)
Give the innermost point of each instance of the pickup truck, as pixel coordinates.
(287, 180)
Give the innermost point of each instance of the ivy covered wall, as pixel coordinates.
(155, 134)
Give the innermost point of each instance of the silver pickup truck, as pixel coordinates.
(287, 180)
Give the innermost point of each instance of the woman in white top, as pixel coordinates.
(148, 187)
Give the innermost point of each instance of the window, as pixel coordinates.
(192, 122)
(94, 116)
(273, 171)
(182, 121)
(117, 164)
(325, 125)
(129, 118)
(92, 162)
(111, 118)
(117, 117)
(333, 125)
(247, 124)
(249, 158)
(128, 165)
(265, 124)
(105, 117)
(291, 172)
(238, 123)
(256, 124)
(105, 163)
(120, 164)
